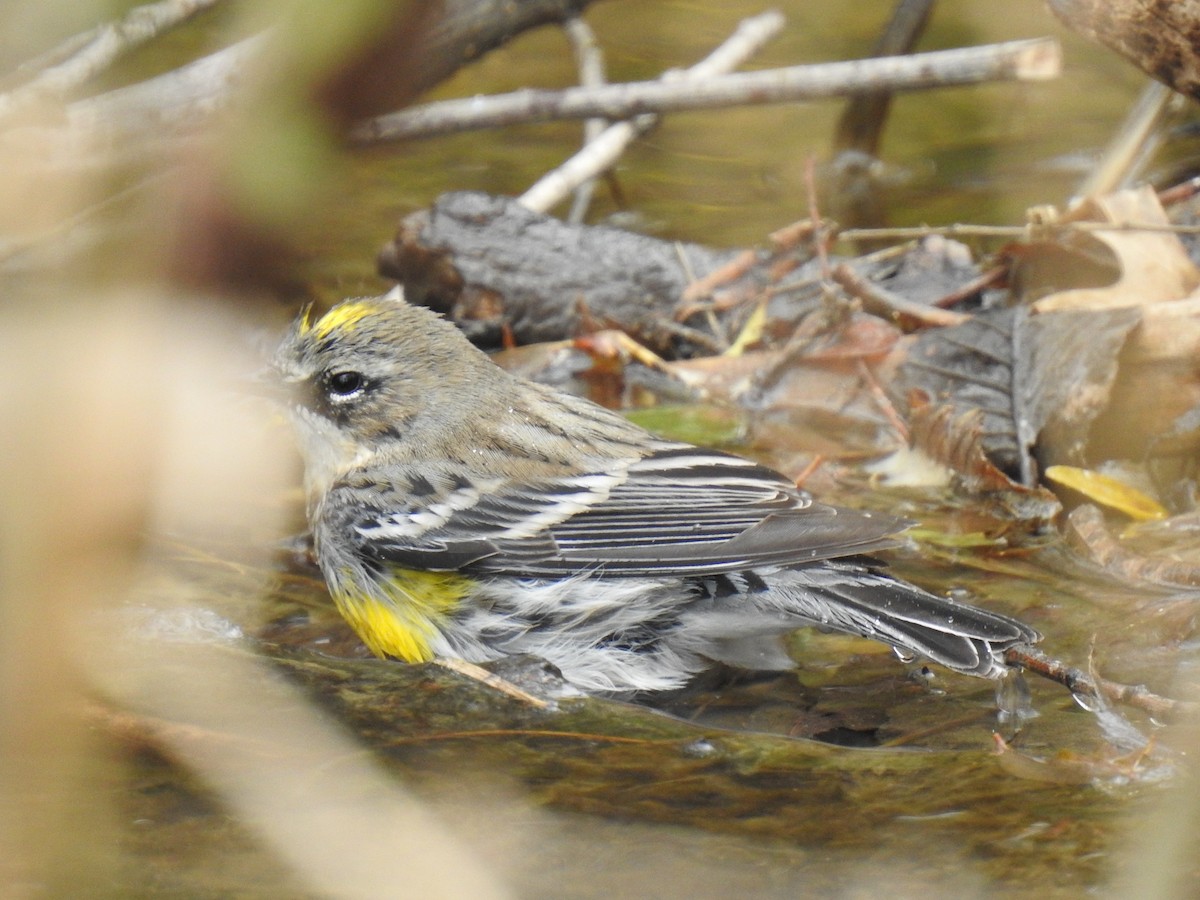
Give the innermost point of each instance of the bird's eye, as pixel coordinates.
(345, 384)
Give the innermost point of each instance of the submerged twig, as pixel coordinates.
(862, 121)
(492, 680)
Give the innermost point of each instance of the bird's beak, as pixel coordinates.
(269, 383)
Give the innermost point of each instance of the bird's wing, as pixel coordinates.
(678, 511)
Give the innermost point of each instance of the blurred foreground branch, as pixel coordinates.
(82, 57)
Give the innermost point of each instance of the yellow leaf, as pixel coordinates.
(751, 331)
(1107, 491)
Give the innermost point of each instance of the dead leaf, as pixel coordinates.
(1034, 380)
(1151, 266)
(1108, 491)
(955, 439)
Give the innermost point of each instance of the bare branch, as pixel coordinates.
(136, 121)
(1038, 59)
(1079, 682)
(602, 152)
(181, 98)
(889, 304)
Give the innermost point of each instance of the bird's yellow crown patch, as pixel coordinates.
(343, 317)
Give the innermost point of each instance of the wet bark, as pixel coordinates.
(494, 266)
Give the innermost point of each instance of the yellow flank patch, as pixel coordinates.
(343, 317)
(403, 617)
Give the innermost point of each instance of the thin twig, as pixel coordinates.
(602, 153)
(991, 277)
(953, 230)
(791, 236)
(883, 401)
(695, 335)
(1134, 141)
(492, 680)
(880, 300)
(1078, 681)
(1037, 59)
(1177, 193)
(807, 472)
(714, 324)
(703, 287)
(821, 235)
(1011, 232)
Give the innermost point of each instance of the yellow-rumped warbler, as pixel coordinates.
(460, 511)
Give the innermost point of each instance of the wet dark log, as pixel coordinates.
(1161, 37)
(500, 270)
(492, 265)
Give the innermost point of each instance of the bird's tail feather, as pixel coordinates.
(858, 598)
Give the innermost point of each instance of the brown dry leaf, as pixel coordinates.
(1157, 384)
(955, 439)
(1151, 266)
(816, 395)
(1157, 380)
(1169, 332)
(1098, 366)
(769, 378)
(820, 407)
(1042, 379)
(863, 337)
